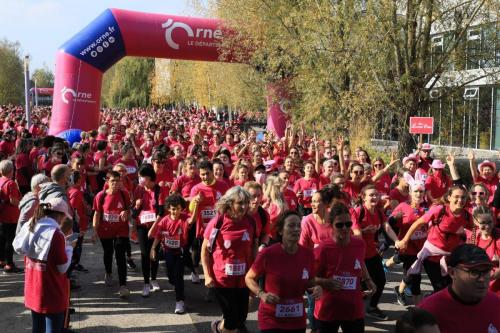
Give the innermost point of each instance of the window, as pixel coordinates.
(474, 48)
(437, 50)
(471, 93)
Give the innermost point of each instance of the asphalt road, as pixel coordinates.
(99, 309)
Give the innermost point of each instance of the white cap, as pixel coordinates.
(57, 205)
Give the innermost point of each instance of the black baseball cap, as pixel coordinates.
(470, 256)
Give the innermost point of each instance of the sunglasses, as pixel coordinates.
(478, 193)
(377, 165)
(358, 172)
(341, 225)
(419, 191)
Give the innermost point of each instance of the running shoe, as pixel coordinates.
(386, 269)
(12, 269)
(376, 313)
(80, 268)
(408, 292)
(195, 278)
(401, 297)
(123, 292)
(108, 279)
(131, 264)
(146, 290)
(179, 307)
(155, 286)
(214, 325)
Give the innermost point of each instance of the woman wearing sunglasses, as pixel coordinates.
(486, 236)
(340, 269)
(479, 196)
(405, 214)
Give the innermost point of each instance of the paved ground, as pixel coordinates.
(100, 310)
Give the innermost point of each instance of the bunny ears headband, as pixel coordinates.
(414, 183)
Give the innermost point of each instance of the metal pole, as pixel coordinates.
(27, 90)
(491, 117)
(477, 119)
(36, 95)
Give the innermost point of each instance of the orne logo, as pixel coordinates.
(203, 33)
(77, 96)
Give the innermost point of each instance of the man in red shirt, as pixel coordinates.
(466, 305)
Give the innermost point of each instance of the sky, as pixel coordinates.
(42, 26)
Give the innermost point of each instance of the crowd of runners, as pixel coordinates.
(302, 223)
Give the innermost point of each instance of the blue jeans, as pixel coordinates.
(47, 323)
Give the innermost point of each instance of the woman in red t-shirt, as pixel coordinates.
(486, 236)
(47, 258)
(340, 269)
(446, 232)
(305, 188)
(275, 204)
(437, 182)
(24, 166)
(368, 219)
(288, 270)
(226, 255)
(288, 194)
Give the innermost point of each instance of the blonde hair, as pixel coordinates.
(272, 191)
(226, 202)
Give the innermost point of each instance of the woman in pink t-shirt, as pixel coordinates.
(288, 270)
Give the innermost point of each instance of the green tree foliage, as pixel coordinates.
(348, 63)
(43, 77)
(11, 73)
(128, 83)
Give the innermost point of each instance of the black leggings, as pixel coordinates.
(188, 259)
(433, 270)
(412, 280)
(175, 272)
(117, 245)
(7, 235)
(149, 267)
(234, 305)
(348, 326)
(279, 330)
(376, 270)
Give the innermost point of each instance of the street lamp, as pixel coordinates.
(27, 89)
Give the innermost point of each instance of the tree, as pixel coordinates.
(11, 73)
(350, 62)
(43, 77)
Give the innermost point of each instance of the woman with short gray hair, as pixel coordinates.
(226, 254)
(29, 202)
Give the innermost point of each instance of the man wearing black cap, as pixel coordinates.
(466, 305)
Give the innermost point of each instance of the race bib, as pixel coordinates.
(130, 169)
(172, 243)
(147, 217)
(348, 282)
(110, 217)
(289, 310)
(418, 234)
(208, 214)
(236, 269)
(309, 193)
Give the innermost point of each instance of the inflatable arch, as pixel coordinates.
(116, 33)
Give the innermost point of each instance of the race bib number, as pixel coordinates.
(419, 234)
(348, 282)
(112, 218)
(172, 243)
(289, 310)
(208, 214)
(130, 169)
(236, 269)
(309, 193)
(147, 217)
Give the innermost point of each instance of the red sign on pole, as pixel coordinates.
(421, 125)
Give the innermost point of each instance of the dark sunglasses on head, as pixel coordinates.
(340, 225)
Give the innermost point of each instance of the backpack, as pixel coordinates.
(159, 208)
(52, 190)
(103, 197)
(4, 201)
(439, 219)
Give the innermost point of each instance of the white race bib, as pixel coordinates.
(172, 243)
(208, 214)
(309, 193)
(131, 169)
(348, 282)
(289, 310)
(236, 269)
(110, 217)
(418, 234)
(147, 217)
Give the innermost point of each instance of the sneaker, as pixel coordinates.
(80, 268)
(401, 297)
(10, 269)
(376, 313)
(408, 292)
(123, 292)
(214, 325)
(195, 278)
(131, 264)
(108, 279)
(155, 286)
(386, 269)
(179, 307)
(146, 290)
